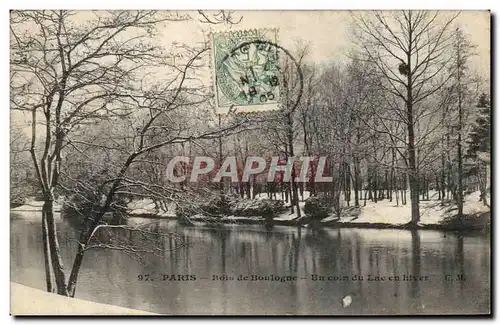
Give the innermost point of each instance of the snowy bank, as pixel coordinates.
(26, 301)
(432, 212)
(147, 207)
(33, 205)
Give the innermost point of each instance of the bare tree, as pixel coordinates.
(292, 88)
(67, 74)
(409, 48)
(22, 178)
(462, 51)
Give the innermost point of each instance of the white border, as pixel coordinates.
(190, 4)
(255, 4)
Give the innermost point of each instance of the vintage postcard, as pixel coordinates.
(250, 162)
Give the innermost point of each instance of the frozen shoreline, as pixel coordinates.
(27, 301)
(383, 214)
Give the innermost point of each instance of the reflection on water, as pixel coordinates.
(111, 277)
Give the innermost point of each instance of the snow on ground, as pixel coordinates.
(383, 212)
(290, 216)
(286, 216)
(143, 206)
(147, 206)
(281, 196)
(32, 205)
(25, 301)
(431, 212)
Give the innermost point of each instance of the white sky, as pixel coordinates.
(327, 31)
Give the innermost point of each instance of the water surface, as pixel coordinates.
(342, 256)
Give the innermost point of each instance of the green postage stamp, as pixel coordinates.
(245, 70)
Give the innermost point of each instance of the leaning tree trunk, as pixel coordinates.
(87, 231)
(77, 263)
(55, 252)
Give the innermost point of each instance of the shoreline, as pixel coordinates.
(303, 222)
(322, 224)
(28, 301)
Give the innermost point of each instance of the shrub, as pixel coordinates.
(216, 206)
(80, 205)
(257, 208)
(318, 207)
(76, 204)
(472, 221)
(16, 201)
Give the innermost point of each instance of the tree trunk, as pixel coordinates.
(295, 195)
(77, 263)
(443, 176)
(347, 184)
(397, 196)
(403, 189)
(387, 190)
(487, 185)
(221, 183)
(438, 187)
(46, 254)
(356, 182)
(247, 185)
(412, 162)
(55, 252)
(460, 194)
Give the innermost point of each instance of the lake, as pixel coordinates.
(251, 270)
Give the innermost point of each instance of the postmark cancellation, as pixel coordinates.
(245, 70)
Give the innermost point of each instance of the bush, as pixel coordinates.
(318, 207)
(77, 204)
(16, 201)
(216, 206)
(257, 208)
(473, 221)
